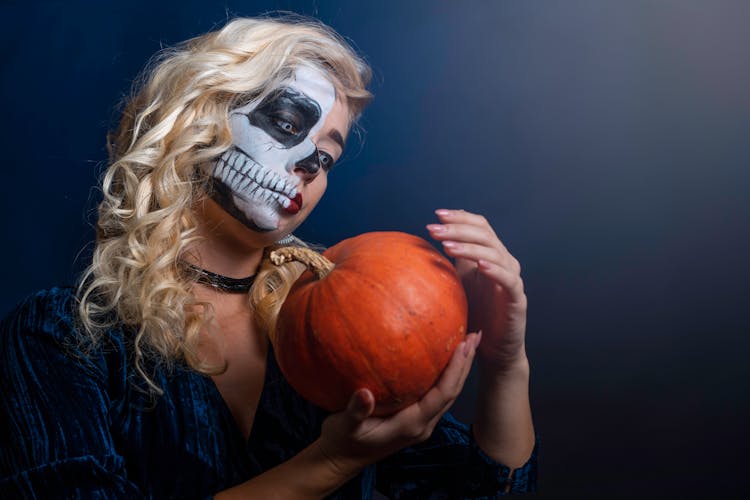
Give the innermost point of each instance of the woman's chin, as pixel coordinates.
(285, 225)
(262, 230)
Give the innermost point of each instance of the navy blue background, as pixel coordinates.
(606, 141)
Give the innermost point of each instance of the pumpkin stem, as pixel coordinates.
(314, 261)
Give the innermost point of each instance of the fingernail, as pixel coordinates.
(478, 339)
(436, 228)
(361, 403)
(450, 244)
(466, 349)
(442, 212)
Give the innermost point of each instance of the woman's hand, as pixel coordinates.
(353, 438)
(494, 289)
(497, 307)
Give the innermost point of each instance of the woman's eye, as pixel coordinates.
(286, 126)
(325, 160)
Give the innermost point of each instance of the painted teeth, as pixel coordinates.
(245, 169)
(245, 183)
(240, 171)
(283, 200)
(254, 170)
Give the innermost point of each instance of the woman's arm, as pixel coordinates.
(502, 426)
(54, 410)
(309, 474)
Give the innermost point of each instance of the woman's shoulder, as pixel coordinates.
(47, 322)
(50, 312)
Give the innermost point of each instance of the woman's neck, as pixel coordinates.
(225, 247)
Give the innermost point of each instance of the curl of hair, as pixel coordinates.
(175, 121)
(272, 286)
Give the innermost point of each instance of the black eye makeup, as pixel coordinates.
(326, 161)
(287, 116)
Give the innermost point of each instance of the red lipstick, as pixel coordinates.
(294, 204)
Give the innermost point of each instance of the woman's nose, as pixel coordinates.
(308, 168)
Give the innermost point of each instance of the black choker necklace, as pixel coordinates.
(223, 283)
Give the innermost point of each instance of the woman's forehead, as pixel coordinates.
(315, 84)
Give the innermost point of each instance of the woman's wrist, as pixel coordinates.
(502, 427)
(338, 468)
(512, 366)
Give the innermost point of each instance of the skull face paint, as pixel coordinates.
(255, 179)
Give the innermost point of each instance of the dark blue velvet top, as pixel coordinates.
(82, 426)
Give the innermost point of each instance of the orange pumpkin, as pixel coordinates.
(387, 316)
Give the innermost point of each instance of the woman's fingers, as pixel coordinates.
(455, 384)
(476, 253)
(470, 236)
(413, 424)
(510, 280)
(482, 235)
(416, 422)
(451, 381)
(438, 399)
(461, 217)
(361, 405)
(359, 408)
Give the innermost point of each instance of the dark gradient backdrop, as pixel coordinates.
(607, 142)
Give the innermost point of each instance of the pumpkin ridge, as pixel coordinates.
(428, 348)
(325, 295)
(423, 252)
(355, 347)
(393, 302)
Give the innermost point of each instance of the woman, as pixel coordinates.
(154, 378)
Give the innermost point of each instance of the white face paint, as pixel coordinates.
(254, 180)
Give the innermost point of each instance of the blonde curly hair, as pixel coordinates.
(175, 120)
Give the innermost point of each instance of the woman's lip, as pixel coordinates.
(294, 204)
